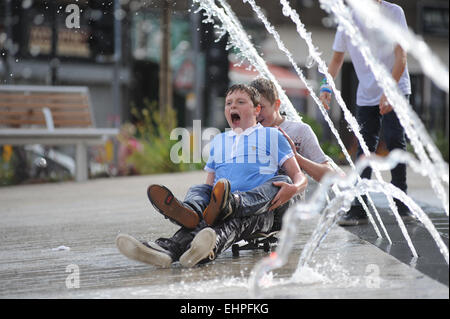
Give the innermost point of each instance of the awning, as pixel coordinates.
(288, 80)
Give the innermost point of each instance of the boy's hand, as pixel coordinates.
(325, 98)
(325, 93)
(284, 194)
(385, 107)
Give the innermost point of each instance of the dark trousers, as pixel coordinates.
(251, 216)
(228, 233)
(371, 123)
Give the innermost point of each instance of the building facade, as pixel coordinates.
(85, 55)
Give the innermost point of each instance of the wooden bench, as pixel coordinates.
(51, 115)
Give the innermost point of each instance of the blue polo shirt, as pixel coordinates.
(248, 159)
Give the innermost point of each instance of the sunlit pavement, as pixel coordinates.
(57, 241)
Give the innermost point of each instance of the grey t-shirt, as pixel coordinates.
(305, 140)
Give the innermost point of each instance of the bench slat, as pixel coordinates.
(25, 95)
(50, 105)
(39, 121)
(55, 114)
(72, 122)
(26, 121)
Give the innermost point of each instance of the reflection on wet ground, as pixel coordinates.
(37, 219)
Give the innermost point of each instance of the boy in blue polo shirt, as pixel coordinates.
(241, 194)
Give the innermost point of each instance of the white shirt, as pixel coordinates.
(369, 93)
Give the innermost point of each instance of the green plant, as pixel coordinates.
(153, 134)
(12, 167)
(6, 173)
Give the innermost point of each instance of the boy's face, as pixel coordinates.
(268, 112)
(240, 111)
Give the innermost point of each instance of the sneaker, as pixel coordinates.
(149, 253)
(202, 247)
(219, 207)
(355, 216)
(168, 205)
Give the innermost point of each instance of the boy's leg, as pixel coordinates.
(146, 252)
(280, 211)
(236, 229)
(187, 213)
(197, 197)
(204, 244)
(209, 242)
(242, 204)
(180, 241)
(252, 217)
(257, 200)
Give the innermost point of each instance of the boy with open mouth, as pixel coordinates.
(241, 194)
(303, 140)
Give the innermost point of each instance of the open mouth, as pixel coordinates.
(235, 118)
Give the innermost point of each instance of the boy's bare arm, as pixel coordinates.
(313, 169)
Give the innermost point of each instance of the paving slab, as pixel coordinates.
(57, 241)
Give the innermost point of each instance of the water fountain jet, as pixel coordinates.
(338, 206)
(340, 203)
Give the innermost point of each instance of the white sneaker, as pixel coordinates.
(149, 253)
(201, 247)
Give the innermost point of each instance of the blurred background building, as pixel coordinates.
(117, 52)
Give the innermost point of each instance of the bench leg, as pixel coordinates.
(81, 162)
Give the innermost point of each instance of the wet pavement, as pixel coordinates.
(57, 241)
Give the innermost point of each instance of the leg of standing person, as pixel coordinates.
(369, 120)
(394, 135)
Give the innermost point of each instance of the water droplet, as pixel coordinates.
(286, 11)
(349, 128)
(310, 62)
(40, 162)
(26, 4)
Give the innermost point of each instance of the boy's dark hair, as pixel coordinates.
(251, 91)
(266, 88)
